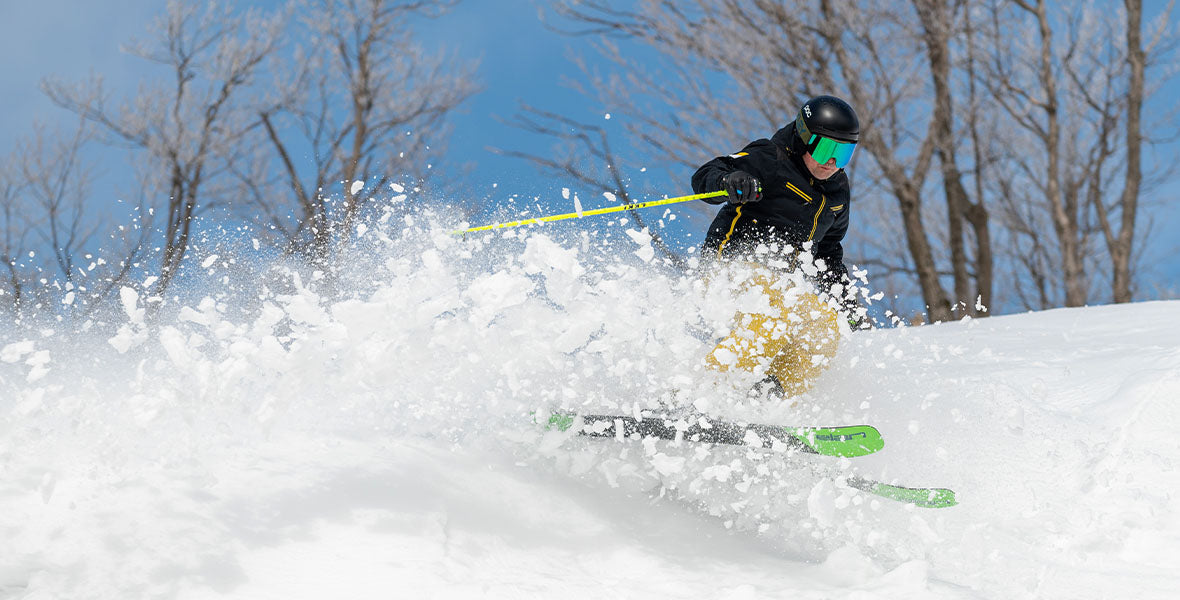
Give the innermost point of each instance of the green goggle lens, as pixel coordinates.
(823, 149)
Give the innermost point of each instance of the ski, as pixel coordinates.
(848, 441)
(923, 497)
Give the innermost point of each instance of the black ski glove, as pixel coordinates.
(742, 187)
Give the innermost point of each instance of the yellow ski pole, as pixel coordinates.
(591, 213)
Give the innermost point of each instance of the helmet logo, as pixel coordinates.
(807, 110)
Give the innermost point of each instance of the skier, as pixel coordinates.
(786, 213)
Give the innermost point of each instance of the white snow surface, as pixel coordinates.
(381, 446)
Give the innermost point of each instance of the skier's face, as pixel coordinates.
(819, 171)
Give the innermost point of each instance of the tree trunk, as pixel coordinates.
(1064, 206)
(937, 26)
(938, 306)
(1120, 249)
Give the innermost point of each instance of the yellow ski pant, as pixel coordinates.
(791, 336)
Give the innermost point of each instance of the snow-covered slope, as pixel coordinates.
(380, 447)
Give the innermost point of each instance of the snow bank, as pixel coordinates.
(379, 444)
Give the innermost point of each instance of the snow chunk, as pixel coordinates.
(38, 362)
(725, 356)
(543, 255)
(753, 439)
(492, 293)
(717, 472)
(175, 347)
(848, 566)
(129, 298)
(127, 338)
(14, 351)
(667, 465)
(643, 238)
(821, 503)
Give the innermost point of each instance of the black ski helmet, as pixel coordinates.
(828, 116)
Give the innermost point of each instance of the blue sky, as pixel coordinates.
(520, 61)
(70, 39)
(63, 38)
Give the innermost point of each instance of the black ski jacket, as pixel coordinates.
(795, 207)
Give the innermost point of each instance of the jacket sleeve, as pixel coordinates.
(709, 177)
(831, 249)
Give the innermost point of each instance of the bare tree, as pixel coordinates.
(190, 130)
(57, 181)
(1120, 243)
(51, 224)
(1015, 92)
(939, 24)
(14, 240)
(367, 104)
(1075, 92)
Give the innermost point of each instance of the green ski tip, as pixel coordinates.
(561, 422)
(849, 442)
(923, 497)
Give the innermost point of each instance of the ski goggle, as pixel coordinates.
(823, 149)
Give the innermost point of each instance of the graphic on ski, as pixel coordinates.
(848, 441)
(924, 497)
